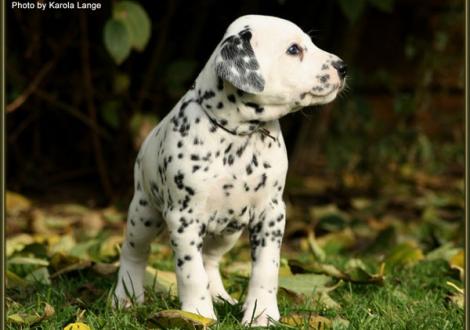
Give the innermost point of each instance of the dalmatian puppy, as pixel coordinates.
(217, 163)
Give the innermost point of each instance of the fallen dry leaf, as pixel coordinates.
(315, 322)
(16, 203)
(405, 254)
(181, 319)
(28, 319)
(159, 280)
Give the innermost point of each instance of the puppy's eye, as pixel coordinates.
(294, 49)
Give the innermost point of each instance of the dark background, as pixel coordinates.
(75, 119)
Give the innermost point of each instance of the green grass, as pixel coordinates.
(410, 298)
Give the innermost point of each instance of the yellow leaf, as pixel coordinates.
(160, 280)
(109, 247)
(16, 318)
(28, 261)
(361, 203)
(284, 269)
(458, 262)
(457, 259)
(77, 326)
(63, 245)
(240, 268)
(38, 222)
(315, 322)
(457, 297)
(180, 319)
(405, 254)
(16, 203)
(17, 243)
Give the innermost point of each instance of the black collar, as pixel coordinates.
(263, 131)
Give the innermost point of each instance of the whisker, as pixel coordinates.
(311, 34)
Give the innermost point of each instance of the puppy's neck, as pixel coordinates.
(228, 107)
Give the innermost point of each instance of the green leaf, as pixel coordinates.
(304, 283)
(13, 280)
(27, 319)
(352, 9)
(382, 5)
(110, 113)
(316, 267)
(117, 40)
(444, 252)
(82, 249)
(40, 275)
(136, 20)
(405, 254)
(357, 272)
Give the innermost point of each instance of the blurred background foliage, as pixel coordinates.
(85, 87)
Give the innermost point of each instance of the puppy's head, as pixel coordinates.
(277, 64)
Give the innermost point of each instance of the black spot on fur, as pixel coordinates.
(257, 107)
(220, 84)
(262, 182)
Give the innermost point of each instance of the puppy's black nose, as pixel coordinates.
(341, 67)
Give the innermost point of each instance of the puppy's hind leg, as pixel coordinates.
(143, 225)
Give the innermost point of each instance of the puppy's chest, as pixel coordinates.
(236, 168)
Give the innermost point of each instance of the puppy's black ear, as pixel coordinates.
(236, 63)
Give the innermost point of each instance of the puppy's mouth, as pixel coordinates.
(318, 91)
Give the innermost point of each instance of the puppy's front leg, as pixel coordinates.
(193, 284)
(265, 238)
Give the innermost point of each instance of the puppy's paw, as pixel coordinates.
(121, 303)
(260, 313)
(205, 310)
(122, 298)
